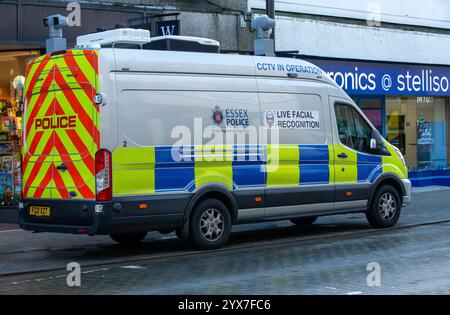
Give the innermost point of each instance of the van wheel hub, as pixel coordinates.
(212, 225)
(387, 206)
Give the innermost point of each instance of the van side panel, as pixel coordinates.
(156, 146)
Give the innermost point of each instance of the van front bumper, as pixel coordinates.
(407, 196)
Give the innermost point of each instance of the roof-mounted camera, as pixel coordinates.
(56, 41)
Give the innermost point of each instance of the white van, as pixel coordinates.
(112, 145)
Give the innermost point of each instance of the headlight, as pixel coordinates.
(400, 155)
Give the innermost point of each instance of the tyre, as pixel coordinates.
(128, 239)
(210, 225)
(304, 221)
(385, 208)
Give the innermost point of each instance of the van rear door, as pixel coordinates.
(37, 145)
(62, 131)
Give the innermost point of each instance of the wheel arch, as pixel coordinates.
(387, 179)
(213, 191)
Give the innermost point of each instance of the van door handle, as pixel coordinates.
(63, 167)
(342, 156)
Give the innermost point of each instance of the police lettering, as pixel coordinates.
(55, 122)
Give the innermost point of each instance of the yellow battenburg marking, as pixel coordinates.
(213, 164)
(133, 171)
(393, 164)
(282, 167)
(331, 164)
(346, 170)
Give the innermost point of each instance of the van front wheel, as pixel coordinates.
(128, 239)
(385, 208)
(210, 225)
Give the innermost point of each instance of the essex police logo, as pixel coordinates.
(217, 115)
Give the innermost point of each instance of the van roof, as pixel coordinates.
(141, 60)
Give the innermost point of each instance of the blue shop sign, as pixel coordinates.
(370, 78)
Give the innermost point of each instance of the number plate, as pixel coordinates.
(40, 211)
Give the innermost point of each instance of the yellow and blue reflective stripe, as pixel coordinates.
(187, 168)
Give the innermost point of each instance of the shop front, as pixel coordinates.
(409, 105)
(22, 39)
(12, 77)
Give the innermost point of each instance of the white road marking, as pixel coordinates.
(354, 293)
(58, 276)
(8, 231)
(94, 270)
(133, 267)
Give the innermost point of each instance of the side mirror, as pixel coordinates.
(373, 143)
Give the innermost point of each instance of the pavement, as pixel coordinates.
(329, 257)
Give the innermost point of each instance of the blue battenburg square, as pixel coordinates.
(367, 164)
(174, 169)
(314, 164)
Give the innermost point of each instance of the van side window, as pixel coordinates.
(354, 131)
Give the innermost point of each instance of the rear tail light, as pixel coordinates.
(103, 175)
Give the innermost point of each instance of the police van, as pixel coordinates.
(117, 140)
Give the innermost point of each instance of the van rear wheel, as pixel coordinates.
(304, 221)
(385, 208)
(128, 239)
(210, 225)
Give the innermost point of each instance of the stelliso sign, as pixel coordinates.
(363, 78)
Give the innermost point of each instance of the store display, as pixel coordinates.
(13, 66)
(10, 177)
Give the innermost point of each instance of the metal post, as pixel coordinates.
(270, 9)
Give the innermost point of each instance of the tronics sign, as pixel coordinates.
(387, 79)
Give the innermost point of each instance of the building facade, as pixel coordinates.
(392, 57)
(23, 34)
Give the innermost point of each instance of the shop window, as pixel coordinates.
(372, 109)
(12, 72)
(419, 127)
